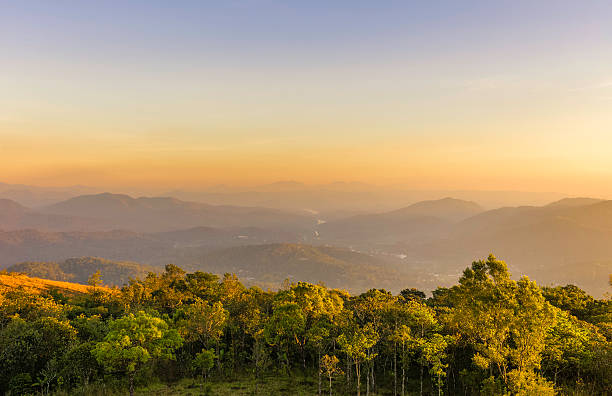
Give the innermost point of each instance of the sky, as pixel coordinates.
(503, 95)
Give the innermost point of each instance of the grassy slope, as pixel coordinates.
(37, 285)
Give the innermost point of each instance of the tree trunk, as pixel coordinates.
(330, 386)
(319, 372)
(395, 369)
(403, 368)
(348, 371)
(131, 384)
(368, 382)
(421, 380)
(357, 371)
(373, 379)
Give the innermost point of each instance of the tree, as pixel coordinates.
(403, 336)
(95, 281)
(202, 321)
(132, 341)
(329, 366)
(29, 347)
(285, 326)
(413, 294)
(433, 353)
(506, 321)
(423, 323)
(79, 365)
(356, 343)
(204, 362)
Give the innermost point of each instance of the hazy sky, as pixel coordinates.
(432, 94)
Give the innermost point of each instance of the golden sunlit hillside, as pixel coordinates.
(14, 281)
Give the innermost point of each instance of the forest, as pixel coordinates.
(198, 333)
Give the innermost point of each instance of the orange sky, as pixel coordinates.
(494, 98)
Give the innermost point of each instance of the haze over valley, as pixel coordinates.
(424, 244)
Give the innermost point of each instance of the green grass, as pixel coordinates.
(245, 386)
(242, 386)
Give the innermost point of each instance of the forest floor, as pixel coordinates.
(280, 386)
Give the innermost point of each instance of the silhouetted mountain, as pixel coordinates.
(10, 208)
(14, 216)
(446, 208)
(80, 269)
(568, 241)
(560, 243)
(150, 214)
(352, 197)
(572, 202)
(422, 219)
(35, 196)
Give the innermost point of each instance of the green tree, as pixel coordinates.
(202, 321)
(329, 366)
(204, 362)
(285, 326)
(30, 347)
(132, 341)
(506, 321)
(434, 353)
(356, 343)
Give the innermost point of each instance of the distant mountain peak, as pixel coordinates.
(452, 208)
(574, 202)
(8, 205)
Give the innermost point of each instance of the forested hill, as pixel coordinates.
(78, 270)
(268, 265)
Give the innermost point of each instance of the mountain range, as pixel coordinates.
(103, 212)
(567, 241)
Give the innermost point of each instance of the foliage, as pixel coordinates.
(133, 340)
(488, 335)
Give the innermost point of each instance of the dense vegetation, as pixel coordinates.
(488, 335)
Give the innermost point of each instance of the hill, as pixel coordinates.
(35, 245)
(15, 216)
(35, 196)
(564, 242)
(271, 264)
(151, 214)
(419, 220)
(573, 202)
(36, 285)
(78, 270)
(156, 249)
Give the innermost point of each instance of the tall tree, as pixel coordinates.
(132, 341)
(356, 343)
